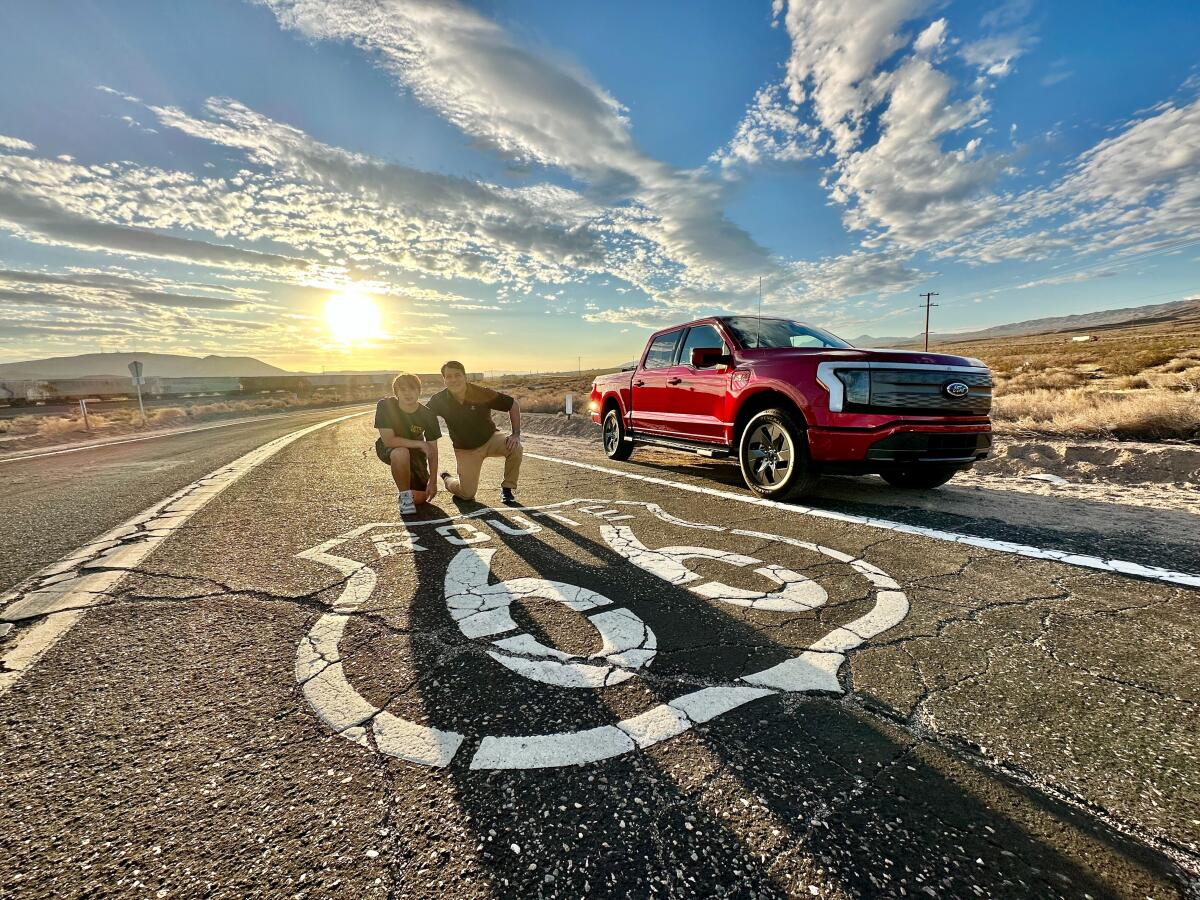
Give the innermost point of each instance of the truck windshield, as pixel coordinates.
(753, 332)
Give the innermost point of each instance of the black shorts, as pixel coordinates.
(418, 466)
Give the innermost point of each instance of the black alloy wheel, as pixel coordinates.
(615, 445)
(773, 454)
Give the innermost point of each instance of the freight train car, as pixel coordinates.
(19, 392)
(183, 387)
(101, 387)
(259, 384)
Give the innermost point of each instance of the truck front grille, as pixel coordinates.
(924, 391)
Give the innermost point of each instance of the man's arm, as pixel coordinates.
(390, 440)
(431, 487)
(514, 418)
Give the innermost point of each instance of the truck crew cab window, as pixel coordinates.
(700, 336)
(661, 354)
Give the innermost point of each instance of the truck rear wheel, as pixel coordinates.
(615, 445)
(773, 453)
(925, 478)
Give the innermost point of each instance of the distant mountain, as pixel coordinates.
(168, 365)
(1133, 315)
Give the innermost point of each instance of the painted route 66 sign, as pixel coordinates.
(566, 634)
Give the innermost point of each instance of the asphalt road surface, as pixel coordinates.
(638, 683)
(54, 501)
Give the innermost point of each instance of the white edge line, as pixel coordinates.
(1113, 566)
(31, 644)
(248, 420)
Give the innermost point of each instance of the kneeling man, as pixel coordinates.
(467, 409)
(408, 436)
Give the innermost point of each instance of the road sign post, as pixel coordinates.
(135, 369)
(87, 424)
(570, 405)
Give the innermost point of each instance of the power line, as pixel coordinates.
(928, 297)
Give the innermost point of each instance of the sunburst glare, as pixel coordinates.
(353, 318)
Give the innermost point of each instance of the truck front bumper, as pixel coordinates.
(898, 446)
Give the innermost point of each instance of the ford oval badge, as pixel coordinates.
(956, 389)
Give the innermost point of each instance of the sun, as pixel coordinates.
(353, 318)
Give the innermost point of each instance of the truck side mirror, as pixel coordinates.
(707, 357)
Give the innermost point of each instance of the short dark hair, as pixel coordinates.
(408, 380)
(453, 364)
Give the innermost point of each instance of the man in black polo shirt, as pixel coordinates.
(467, 409)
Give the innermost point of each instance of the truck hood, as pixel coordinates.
(863, 355)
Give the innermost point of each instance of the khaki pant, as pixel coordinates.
(471, 461)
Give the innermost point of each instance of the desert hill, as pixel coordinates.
(1181, 310)
(168, 365)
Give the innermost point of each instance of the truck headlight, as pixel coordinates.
(857, 383)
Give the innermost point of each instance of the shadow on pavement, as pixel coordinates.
(789, 795)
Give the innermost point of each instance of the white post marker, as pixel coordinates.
(87, 425)
(135, 369)
(570, 404)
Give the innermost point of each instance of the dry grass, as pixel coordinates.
(1143, 415)
(547, 393)
(1130, 383)
(113, 420)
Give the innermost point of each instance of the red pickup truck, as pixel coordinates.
(791, 402)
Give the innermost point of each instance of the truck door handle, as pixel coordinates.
(674, 380)
(638, 383)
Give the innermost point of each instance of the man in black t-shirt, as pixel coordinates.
(408, 436)
(467, 409)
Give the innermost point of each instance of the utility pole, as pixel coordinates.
(928, 305)
(579, 364)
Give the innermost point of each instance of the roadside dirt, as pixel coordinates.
(72, 435)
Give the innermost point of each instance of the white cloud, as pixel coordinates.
(537, 110)
(1135, 192)
(12, 143)
(1056, 75)
(1153, 156)
(37, 209)
(994, 55)
(891, 125)
(103, 289)
(856, 274)
(932, 38)
(906, 187)
(837, 49)
(771, 130)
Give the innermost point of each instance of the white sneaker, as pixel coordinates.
(405, 501)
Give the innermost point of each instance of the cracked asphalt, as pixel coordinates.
(294, 694)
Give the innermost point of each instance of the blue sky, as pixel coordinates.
(522, 184)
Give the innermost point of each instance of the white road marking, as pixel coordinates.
(482, 610)
(796, 594)
(62, 591)
(249, 420)
(1116, 566)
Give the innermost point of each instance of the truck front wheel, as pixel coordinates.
(615, 445)
(773, 454)
(925, 478)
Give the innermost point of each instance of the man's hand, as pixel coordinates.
(513, 441)
(431, 459)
